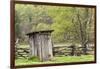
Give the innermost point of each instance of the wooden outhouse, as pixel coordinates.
(41, 44)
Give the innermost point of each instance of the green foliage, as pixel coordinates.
(67, 22)
(41, 26)
(33, 58)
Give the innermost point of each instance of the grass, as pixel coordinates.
(62, 59)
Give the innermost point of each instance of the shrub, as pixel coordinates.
(34, 58)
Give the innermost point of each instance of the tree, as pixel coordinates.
(81, 21)
(27, 18)
(70, 24)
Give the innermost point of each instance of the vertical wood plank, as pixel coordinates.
(39, 48)
(35, 44)
(50, 47)
(31, 41)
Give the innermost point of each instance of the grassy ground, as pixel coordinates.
(63, 59)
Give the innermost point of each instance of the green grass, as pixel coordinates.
(63, 59)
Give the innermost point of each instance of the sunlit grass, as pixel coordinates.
(63, 59)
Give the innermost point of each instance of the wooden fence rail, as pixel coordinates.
(22, 52)
(57, 51)
(69, 51)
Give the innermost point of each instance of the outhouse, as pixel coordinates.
(41, 44)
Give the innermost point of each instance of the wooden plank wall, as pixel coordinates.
(41, 46)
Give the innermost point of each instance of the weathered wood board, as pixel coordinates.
(41, 45)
